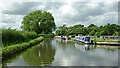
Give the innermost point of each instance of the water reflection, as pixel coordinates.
(61, 44)
(10, 59)
(85, 47)
(67, 53)
(77, 45)
(77, 54)
(41, 55)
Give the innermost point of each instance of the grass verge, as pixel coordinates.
(47, 35)
(9, 50)
(104, 40)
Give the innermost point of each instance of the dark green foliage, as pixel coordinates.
(29, 35)
(63, 30)
(13, 36)
(58, 32)
(9, 50)
(119, 33)
(39, 22)
(92, 30)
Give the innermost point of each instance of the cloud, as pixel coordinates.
(18, 8)
(11, 25)
(23, 8)
(109, 17)
(11, 21)
(6, 18)
(79, 13)
(70, 13)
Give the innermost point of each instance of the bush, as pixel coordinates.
(9, 50)
(29, 35)
(13, 36)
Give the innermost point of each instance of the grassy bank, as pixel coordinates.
(47, 35)
(107, 41)
(104, 40)
(9, 50)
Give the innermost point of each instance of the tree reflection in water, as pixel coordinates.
(40, 55)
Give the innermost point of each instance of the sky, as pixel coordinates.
(70, 12)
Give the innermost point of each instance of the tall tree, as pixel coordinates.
(38, 21)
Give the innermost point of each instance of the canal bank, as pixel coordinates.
(13, 49)
(88, 40)
(53, 52)
(107, 43)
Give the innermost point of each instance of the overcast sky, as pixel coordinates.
(70, 13)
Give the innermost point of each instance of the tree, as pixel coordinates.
(119, 33)
(58, 32)
(102, 33)
(92, 29)
(63, 29)
(38, 21)
(91, 25)
(97, 34)
(92, 32)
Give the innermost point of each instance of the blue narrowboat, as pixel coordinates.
(84, 39)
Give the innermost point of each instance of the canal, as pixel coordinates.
(52, 52)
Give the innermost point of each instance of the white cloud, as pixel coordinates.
(67, 9)
(70, 13)
(10, 21)
(110, 17)
(60, 0)
(79, 13)
(11, 25)
(92, 5)
(41, 7)
(3, 25)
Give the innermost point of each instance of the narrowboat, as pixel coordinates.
(84, 39)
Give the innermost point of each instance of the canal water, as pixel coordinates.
(53, 52)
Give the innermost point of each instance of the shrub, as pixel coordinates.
(13, 36)
(9, 50)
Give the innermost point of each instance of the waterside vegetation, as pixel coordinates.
(13, 36)
(91, 30)
(9, 50)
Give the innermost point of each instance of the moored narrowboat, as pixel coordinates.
(84, 39)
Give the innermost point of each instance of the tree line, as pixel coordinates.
(91, 30)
